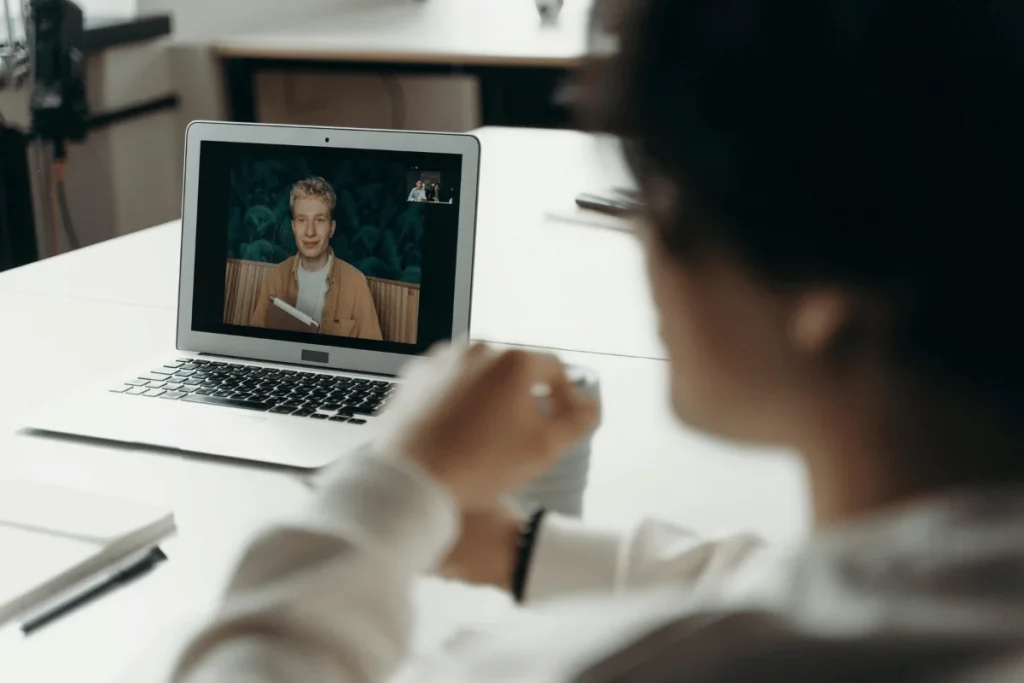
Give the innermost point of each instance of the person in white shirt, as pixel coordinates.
(418, 193)
(830, 251)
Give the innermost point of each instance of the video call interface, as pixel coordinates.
(329, 246)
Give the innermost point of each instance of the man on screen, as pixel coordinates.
(418, 194)
(331, 292)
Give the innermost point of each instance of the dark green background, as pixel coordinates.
(377, 230)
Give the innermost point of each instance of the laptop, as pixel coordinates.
(315, 263)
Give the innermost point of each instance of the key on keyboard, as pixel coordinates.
(285, 392)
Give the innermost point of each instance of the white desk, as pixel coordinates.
(80, 329)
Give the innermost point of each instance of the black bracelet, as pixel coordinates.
(524, 553)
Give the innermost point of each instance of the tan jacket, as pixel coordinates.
(348, 305)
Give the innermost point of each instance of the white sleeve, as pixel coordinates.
(571, 557)
(327, 597)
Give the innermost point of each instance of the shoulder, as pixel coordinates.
(284, 268)
(655, 637)
(278, 275)
(779, 647)
(346, 272)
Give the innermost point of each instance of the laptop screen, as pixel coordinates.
(346, 247)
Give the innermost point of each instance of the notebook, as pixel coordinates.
(284, 316)
(53, 540)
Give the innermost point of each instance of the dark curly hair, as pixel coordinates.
(876, 144)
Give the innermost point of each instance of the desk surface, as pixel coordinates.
(109, 309)
(446, 32)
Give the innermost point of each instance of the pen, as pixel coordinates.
(95, 591)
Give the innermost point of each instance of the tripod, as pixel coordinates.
(52, 60)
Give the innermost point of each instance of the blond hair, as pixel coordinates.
(313, 187)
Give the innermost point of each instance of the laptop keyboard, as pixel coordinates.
(270, 390)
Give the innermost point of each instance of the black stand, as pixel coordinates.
(17, 221)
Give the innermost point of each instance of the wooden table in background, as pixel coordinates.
(521, 62)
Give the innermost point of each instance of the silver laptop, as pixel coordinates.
(315, 263)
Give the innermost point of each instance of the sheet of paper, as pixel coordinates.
(70, 513)
(31, 559)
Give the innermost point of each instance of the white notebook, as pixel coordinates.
(294, 312)
(53, 539)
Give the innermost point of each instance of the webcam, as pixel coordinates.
(327, 139)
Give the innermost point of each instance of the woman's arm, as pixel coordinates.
(325, 597)
(571, 557)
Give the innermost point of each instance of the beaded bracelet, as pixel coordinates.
(524, 553)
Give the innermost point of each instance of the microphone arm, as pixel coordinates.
(58, 99)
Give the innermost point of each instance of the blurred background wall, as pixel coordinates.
(126, 175)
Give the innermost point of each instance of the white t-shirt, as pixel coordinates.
(312, 288)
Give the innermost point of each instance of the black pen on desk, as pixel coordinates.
(95, 591)
(620, 205)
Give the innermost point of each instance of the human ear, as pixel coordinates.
(818, 317)
(334, 224)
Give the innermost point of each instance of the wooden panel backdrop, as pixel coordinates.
(397, 303)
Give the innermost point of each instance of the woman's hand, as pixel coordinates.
(473, 420)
